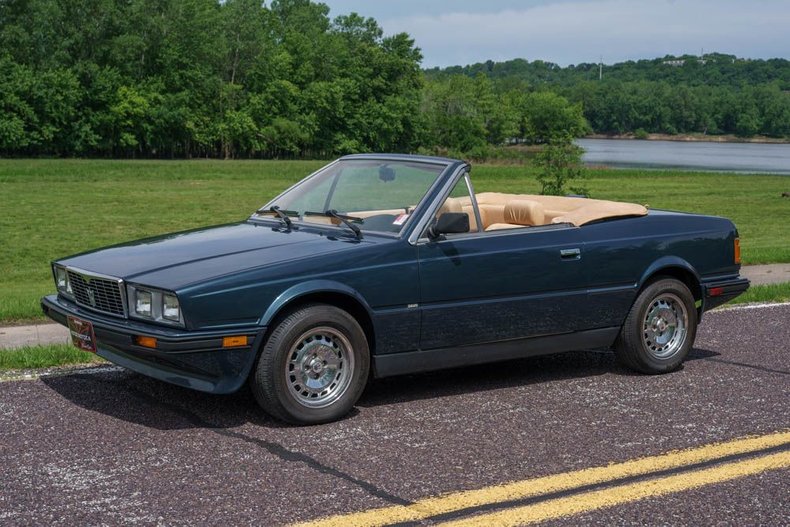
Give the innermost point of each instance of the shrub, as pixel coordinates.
(560, 163)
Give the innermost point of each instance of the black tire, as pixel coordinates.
(280, 379)
(639, 346)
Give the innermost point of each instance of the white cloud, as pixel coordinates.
(581, 31)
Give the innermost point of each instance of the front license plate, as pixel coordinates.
(82, 334)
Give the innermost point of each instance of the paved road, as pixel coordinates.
(113, 447)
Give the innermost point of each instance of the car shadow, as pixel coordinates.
(699, 353)
(137, 399)
(508, 374)
(486, 377)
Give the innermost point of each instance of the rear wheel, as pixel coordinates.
(660, 328)
(313, 367)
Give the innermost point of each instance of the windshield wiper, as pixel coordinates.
(348, 221)
(282, 214)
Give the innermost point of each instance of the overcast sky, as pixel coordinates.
(572, 31)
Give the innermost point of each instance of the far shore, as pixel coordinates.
(691, 138)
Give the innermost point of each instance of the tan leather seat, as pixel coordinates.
(556, 209)
(459, 205)
(451, 205)
(520, 213)
(510, 211)
(492, 213)
(524, 212)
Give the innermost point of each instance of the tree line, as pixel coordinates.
(714, 94)
(239, 78)
(202, 78)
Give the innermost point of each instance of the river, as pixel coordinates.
(735, 157)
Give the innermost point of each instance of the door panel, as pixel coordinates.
(497, 286)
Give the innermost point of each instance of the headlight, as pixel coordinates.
(170, 308)
(154, 304)
(62, 280)
(142, 303)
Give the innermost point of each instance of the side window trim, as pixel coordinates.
(473, 199)
(437, 204)
(418, 234)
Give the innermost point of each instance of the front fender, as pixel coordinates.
(303, 289)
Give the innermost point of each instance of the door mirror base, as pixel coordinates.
(449, 223)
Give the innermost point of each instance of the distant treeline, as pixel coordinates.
(236, 78)
(714, 94)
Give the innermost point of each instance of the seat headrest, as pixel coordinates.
(451, 205)
(524, 212)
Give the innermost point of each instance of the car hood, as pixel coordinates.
(180, 259)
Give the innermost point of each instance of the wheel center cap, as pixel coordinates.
(316, 365)
(659, 324)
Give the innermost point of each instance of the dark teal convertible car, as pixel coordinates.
(391, 264)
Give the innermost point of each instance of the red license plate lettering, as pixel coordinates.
(82, 335)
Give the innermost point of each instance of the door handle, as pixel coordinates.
(570, 254)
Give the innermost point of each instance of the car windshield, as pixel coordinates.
(376, 195)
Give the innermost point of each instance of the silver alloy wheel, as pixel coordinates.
(319, 368)
(665, 326)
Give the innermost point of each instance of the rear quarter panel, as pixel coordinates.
(621, 255)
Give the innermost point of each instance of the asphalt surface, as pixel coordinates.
(111, 447)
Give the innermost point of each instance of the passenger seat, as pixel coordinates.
(520, 213)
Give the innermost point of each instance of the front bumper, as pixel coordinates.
(193, 359)
(719, 292)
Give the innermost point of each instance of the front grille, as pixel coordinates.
(100, 294)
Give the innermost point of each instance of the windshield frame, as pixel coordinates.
(448, 167)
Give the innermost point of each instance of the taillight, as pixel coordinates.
(737, 246)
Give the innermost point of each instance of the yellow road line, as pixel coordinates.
(428, 507)
(599, 499)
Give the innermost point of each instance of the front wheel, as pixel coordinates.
(313, 366)
(660, 329)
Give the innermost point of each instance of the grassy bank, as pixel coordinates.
(31, 357)
(52, 208)
(765, 293)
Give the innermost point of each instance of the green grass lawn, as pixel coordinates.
(31, 357)
(53, 208)
(764, 293)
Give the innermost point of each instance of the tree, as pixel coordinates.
(453, 115)
(560, 163)
(244, 78)
(546, 117)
